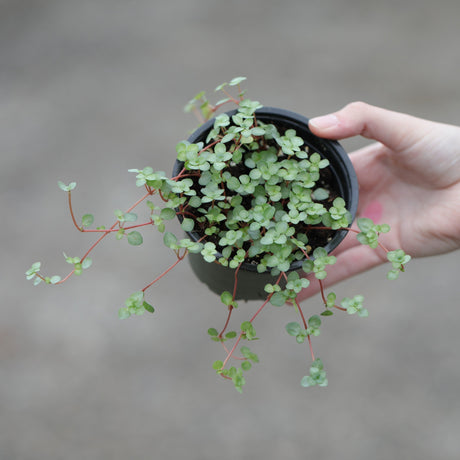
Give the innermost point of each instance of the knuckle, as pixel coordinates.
(357, 106)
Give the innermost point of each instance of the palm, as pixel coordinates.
(418, 187)
(411, 183)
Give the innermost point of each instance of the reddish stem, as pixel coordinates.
(69, 194)
(232, 99)
(184, 212)
(301, 314)
(348, 229)
(230, 309)
(306, 327)
(229, 355)
(311, 348)
(113, 230)
(323, 296)
(197, 114)
(179, 259)
(105, 232)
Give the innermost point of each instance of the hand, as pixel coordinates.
(409, 179)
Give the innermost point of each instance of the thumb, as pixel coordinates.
(395, 130)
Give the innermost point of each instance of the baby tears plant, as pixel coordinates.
(254, 193)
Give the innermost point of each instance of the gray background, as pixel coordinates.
(91, 88)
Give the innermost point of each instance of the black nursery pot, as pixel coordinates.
(250, 282)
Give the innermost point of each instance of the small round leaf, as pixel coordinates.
(135, 238)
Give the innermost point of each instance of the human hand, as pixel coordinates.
(409, 179)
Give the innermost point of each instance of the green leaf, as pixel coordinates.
(130, 217)
(169, 239)
(167, 213)
(87, 262)
(213, 332)
(278, 299)
(249, 330)
(307, 381)
(227, 298)
(123, 313)
(320, 194)
(120, 233)
(365, 224)
(293, 328)
(308, 266)
(72, 260)
(33, 270)
(314, 322)
(246, 365)
(119, 215)
(221, 86)
(194, 201)
(236, 81)
(217, 365)
(87, 220)
(319, 253)
(148, 307)
(248, 354)
(258, 131)
(135, 238)
(330, 299)
(66, 188)
(188, 225)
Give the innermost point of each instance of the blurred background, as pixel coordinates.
(91, 88)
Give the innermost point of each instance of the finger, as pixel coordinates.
(396, 130)
(367, 151)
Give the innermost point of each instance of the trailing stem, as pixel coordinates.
(306, 327)
(179, 259)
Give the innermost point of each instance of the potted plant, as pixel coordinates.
(263, 202)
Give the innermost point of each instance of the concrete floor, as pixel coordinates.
(89, 89)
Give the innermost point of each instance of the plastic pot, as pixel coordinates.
(250, 282)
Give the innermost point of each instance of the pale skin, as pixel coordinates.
(409, 178)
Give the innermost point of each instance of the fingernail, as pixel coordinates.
(324, 122)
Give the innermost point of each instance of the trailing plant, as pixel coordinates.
(252, 192)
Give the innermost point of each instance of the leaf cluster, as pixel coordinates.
(317, 375)
(300, 333)
(33, 274)
(78, 264)
(370, 232)
(236, 373)
(355, 305)
(318, 263)
(398, 259)
(135, 304)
